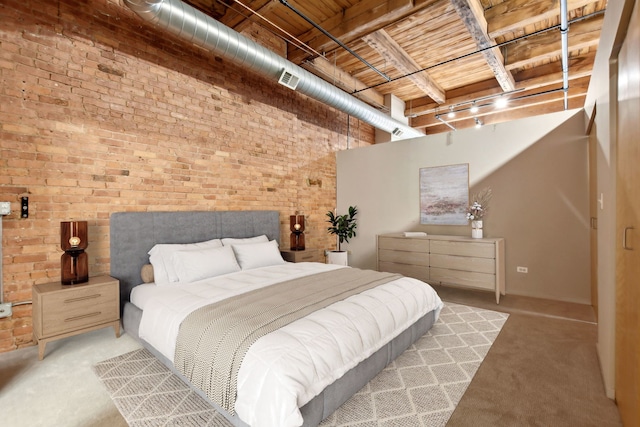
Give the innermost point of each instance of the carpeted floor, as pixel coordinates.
(541, 371)
(421, 388)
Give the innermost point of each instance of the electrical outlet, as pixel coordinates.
(5, 310)
(522, 269)
(5, 208)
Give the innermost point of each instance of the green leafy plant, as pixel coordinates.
(343, 226)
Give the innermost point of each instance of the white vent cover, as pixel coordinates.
(397, 132)
(288, 79)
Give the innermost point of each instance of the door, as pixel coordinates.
(628, 227)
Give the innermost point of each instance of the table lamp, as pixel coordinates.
(296, 239)
(74, 262)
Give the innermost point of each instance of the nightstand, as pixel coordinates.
(307, 255)
(61, 311)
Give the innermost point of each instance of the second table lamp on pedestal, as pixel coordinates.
(296, 225)
(74, 262)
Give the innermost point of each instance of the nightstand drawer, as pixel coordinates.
(68, 311)
(308, 255)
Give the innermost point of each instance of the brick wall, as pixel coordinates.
(100, 113)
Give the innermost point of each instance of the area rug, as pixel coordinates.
(420, 388)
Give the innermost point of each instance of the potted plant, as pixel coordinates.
(344, 227)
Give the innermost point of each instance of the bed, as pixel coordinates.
(134, 234)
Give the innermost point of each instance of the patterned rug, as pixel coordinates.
(420, 388)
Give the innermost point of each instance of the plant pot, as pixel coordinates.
(337, 257)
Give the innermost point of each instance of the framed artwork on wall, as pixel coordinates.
(444, 195)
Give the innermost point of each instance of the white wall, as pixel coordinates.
(537, 169)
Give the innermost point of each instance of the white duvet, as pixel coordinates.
(285, 369)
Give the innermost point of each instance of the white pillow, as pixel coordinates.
(202, 264)
(254, 255)
(227, 241)
(160, 258)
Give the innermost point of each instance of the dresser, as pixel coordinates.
(446, 260)
(307, 255)
(61, 311)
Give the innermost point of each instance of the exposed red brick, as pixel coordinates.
(98, 117)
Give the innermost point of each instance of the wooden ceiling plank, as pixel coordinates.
(264, 10)
(384, 45)
(236, 14)
(472, 15)
(355, 22)
(513, 15)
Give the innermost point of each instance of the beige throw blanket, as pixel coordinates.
(213, 340)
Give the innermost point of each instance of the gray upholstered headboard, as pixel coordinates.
(133, 234)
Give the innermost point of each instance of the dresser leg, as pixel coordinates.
(116, 328)
(41, 346)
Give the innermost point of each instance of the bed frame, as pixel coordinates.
(133, 234)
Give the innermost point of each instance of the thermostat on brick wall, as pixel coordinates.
(5, 208)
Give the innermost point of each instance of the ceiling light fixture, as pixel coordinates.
(474, 107)
(478, 123)
(501, 102)
(452, 113)
(438, 117)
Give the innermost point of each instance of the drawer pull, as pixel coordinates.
(82, 298)
(84, 316)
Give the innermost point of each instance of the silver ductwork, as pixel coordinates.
(194, 26)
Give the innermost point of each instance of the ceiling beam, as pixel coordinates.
(355, 22)
(345, 81)
(512, 16)
(472, 14)
(393, 53)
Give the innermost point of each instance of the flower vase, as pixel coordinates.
(476, 229)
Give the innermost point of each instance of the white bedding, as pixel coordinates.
(285, 369)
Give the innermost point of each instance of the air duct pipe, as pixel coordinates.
(194, 26)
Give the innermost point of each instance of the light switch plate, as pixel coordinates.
(5, 208)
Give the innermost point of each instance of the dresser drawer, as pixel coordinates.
(402, 257)
(463, 278)
(465, 248)
(403, 244)
(415, 271)
(84, 307)
(480, 265)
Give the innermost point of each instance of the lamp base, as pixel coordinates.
(296, 241)
(74, 267)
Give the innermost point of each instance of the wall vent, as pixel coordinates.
(397, 132)
(288, 79)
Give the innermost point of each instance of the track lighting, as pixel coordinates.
(452, 113)
(474, 107)
(478, 123)
(501, 102)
